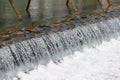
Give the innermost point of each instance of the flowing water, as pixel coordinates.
(27, 55)
(98, 63)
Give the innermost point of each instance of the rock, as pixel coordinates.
(17, 33)
(55, 24)
(4, 43)
(4, 36)
(31, 29)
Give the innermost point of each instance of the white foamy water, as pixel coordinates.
(99, 63)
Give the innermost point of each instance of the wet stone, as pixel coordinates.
(4, 43)
(4, 36)
(17, 33)
(40, 30)
(30, 29)
(55, 24)
(67, 23)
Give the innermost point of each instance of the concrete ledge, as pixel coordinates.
(28, 33)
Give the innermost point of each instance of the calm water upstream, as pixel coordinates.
(41, 11)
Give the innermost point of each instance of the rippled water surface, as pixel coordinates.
(41, 11)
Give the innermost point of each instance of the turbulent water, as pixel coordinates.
(26, 55)
(99, 63)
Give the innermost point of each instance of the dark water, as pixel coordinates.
(41, 11)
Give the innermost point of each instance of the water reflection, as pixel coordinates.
(41, 11)
(47, 9)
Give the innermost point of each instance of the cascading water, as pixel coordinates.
(28, 54)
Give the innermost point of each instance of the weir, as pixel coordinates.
(28, 54)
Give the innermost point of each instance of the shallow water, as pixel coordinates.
(41, 11)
